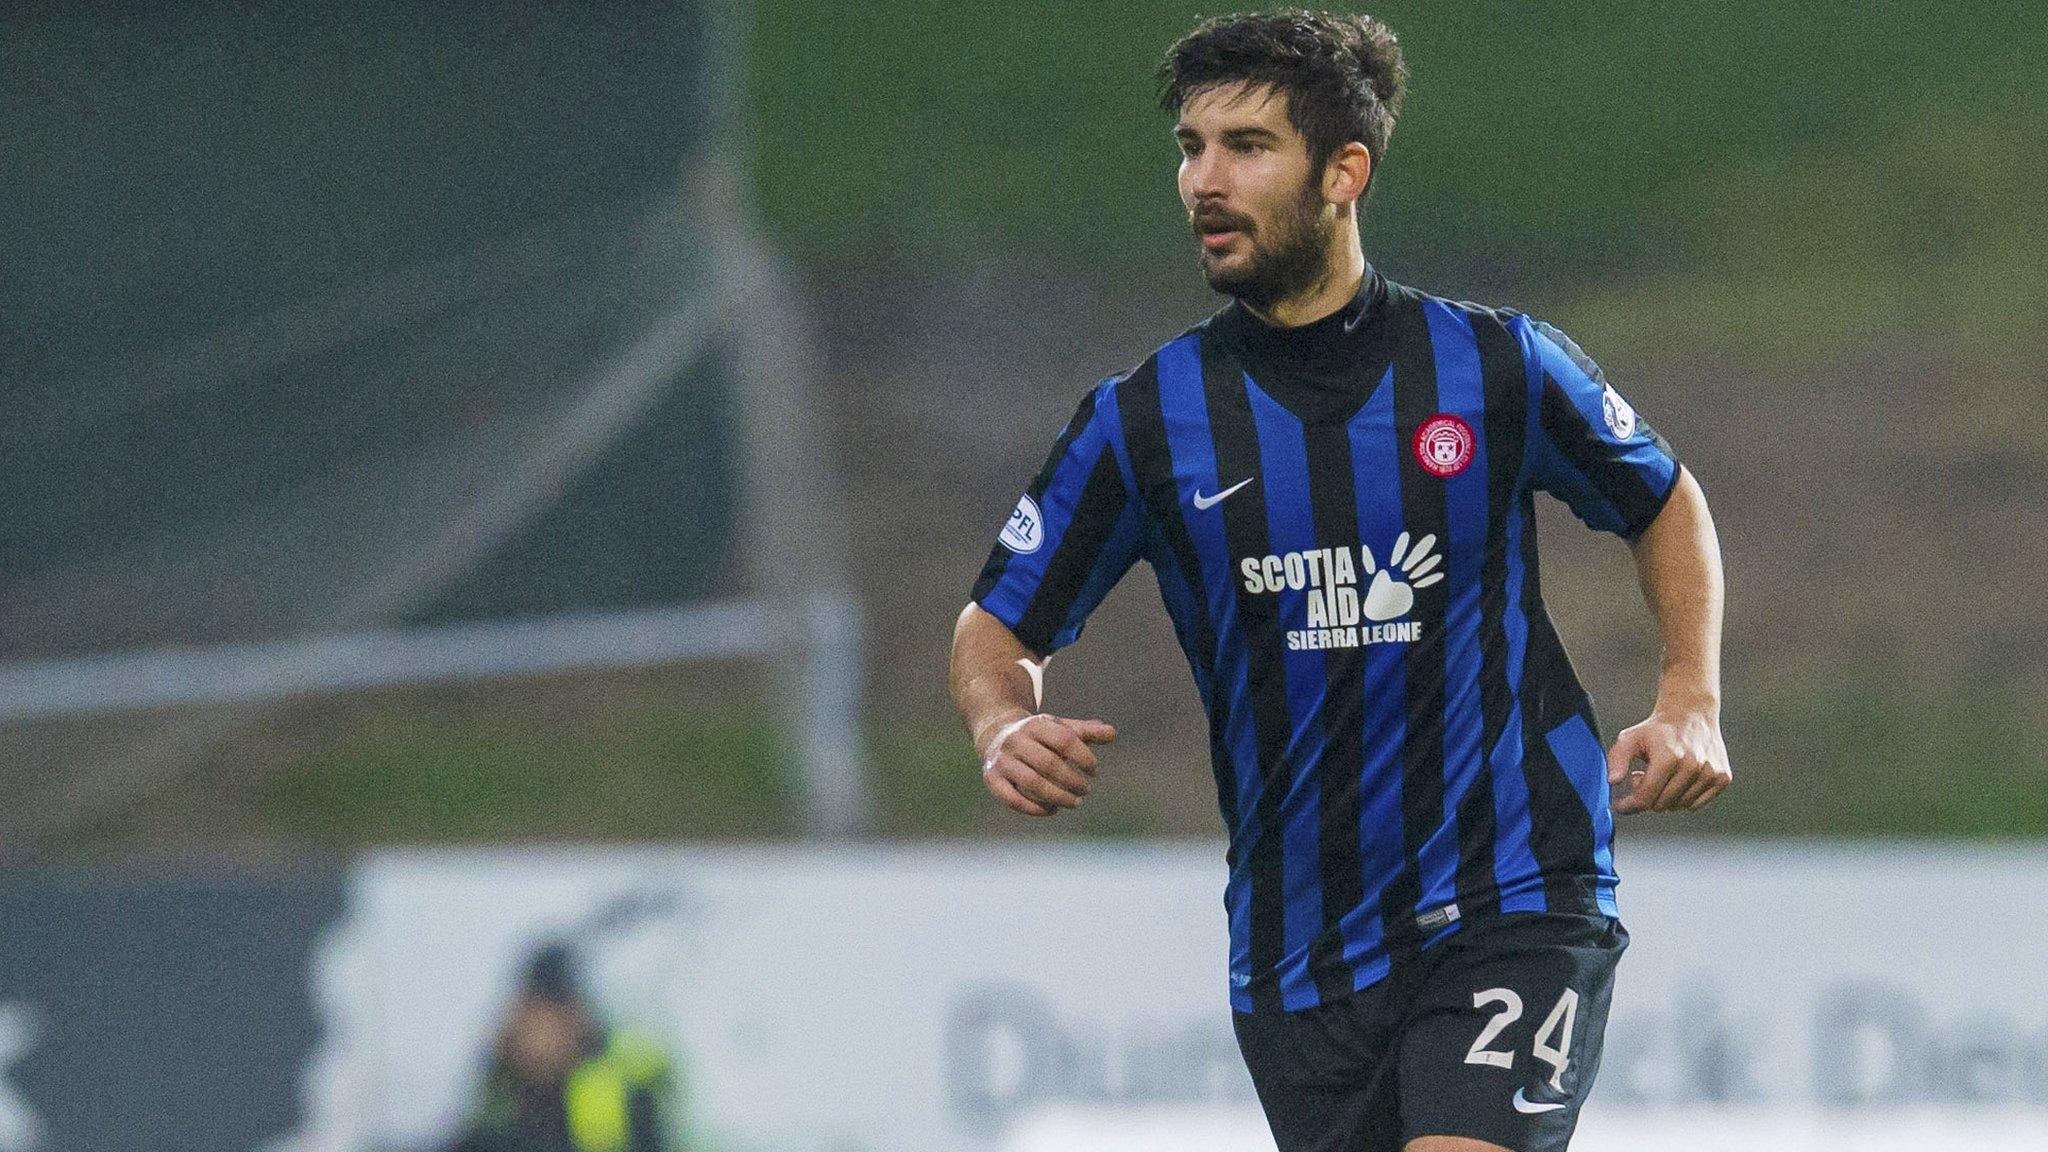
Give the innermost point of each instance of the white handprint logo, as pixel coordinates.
(1393, 594)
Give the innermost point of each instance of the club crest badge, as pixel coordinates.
(1444, 445)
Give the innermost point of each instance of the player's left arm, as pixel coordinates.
(1684, 760)
(1589, 447)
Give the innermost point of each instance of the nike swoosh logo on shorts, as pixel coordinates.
(1524, 1104)
(1204, 503)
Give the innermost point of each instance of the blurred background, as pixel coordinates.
(487, 484)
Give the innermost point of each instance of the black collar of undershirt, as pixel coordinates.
(1332, 336)
(1324, 368)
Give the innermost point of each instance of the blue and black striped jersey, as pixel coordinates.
(1340, 517)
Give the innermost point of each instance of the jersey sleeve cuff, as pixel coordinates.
(1012, 617)
(1655, 508)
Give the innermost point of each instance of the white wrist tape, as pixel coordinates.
(1037, 673)
(995, 747)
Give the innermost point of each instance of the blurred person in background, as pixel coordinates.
(1333, 480)
(561, 1081)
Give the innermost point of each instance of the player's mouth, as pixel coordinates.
(1218, 229)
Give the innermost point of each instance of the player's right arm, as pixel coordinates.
(1073, 534)
(1035, 762)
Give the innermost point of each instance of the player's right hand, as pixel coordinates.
(1043, 763)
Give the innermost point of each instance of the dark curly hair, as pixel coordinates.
(1343, 74)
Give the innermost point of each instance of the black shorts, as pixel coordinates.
(1492, 1034)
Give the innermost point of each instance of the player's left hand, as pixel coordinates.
(1684, 763)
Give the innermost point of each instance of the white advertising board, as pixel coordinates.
(1010, 999)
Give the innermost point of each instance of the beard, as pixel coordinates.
(1289, 255)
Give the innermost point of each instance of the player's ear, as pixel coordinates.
(1346, 175)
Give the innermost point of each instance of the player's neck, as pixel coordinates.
(1331, 291)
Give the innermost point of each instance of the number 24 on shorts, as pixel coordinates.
(1553, 1041)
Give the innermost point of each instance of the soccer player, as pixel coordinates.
(1333, 479)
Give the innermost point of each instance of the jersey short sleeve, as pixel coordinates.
(1588, 446)
(1071, 537)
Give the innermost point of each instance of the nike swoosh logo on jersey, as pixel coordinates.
(1204, 503)
(1524, 1104)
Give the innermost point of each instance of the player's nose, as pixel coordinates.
(1206, 178)
(1203, 174)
